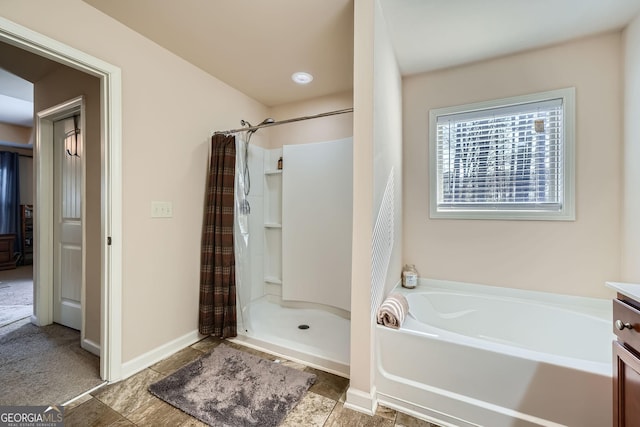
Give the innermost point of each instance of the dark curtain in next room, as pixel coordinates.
(10, 195)
(217, 314)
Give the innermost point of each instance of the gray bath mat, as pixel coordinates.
(228, 387)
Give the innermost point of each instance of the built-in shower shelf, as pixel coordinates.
(272, 219)
(273, 280)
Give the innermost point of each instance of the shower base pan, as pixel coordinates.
(315, 337)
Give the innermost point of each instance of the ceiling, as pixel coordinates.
(434, 34)
(18, 70)
(16, 103)
(255, 46)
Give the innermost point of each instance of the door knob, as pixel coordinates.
(622, 326)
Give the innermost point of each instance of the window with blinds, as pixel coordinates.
(504, 159)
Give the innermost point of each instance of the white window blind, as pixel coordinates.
(503, 159)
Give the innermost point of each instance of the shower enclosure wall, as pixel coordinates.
(293, 251)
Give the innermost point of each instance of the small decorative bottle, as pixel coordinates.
(280, 163)
(409, 276)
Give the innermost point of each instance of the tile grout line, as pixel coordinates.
(86, 393)
(329, 416)
(126, 417)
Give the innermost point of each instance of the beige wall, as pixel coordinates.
(170, 108)
(555, 256)
(387, 142)
(63, 85)
(631, 183)
(317, 130)
(14, 133)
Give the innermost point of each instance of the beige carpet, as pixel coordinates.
(16, 294)
(44, 366)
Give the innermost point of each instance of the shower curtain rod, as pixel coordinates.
(281, 122)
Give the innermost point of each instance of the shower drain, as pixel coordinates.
(303, 326)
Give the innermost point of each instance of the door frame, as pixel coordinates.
(45, 156)
(110, 195)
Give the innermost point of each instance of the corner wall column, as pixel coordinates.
(361, 392)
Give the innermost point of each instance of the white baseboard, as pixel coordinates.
(147, 359)
(90, 346)
(34, 320)
(362, 401)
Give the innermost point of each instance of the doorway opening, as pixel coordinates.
(110, 235)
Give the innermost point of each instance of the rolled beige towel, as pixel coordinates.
(393, 310)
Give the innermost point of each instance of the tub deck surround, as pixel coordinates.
(481, 355)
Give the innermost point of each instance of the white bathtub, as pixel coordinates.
(470, 355)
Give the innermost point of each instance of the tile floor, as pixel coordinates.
(128, 403)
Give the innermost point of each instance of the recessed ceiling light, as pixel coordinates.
(302, 78)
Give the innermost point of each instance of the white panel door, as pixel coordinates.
(317, 200)
(67, 257)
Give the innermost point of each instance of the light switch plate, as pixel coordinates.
(161, 210)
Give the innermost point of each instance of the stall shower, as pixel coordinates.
(292, 241)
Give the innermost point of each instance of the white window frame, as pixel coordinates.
(567, 210)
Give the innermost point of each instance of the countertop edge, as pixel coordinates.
(631, 290)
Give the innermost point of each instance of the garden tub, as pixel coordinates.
(469, 355)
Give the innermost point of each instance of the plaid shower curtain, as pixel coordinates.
(217, 259)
